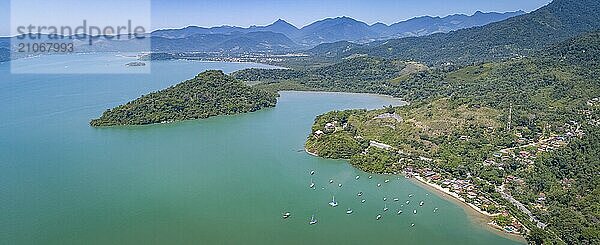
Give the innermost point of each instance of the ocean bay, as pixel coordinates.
(225, 179)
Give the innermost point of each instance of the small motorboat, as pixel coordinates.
(312, 184)
(407, 201)
(312, 172)
(286, 215)
(370, 177)
(385, 208)
(421, 203)
(378, 184)
(410, 195)
(413, 224)
(435, 210)
(359, 193)
(384, 199)
(415, 211)
(387, 180)
(312, 220)
(357, 177)
(333, 203)
(363, 201)
(349, 211)
(399, 212)
(330, 181)
(396, 199)
(340, 185)
(378, 217)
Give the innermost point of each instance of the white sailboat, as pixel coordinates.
(333, 203)
(312, 220)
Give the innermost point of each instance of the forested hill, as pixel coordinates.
(357, 74)
(545, 106)
(209, 94)
(583, 50)
(517, 36)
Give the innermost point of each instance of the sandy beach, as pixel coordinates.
(476, 214)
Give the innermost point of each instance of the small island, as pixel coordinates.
(210, 93)
(135, 63)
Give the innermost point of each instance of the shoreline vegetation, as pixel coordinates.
(511, 129)
(478, 215)
(210, 93)
(502, 135)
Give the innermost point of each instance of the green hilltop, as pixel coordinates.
(210, 93)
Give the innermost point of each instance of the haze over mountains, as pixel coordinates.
(513, 37)
(281, 36)
(333, 30)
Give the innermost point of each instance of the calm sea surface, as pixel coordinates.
(224, 180)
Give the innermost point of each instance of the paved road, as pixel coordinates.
(520, 206)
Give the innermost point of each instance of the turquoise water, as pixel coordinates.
(224, 180)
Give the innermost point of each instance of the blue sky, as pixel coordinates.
(180, 13)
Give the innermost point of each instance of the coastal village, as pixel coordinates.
(473, 191)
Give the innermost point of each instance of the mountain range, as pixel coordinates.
(344, 29)
(514, 37)
(282, 37)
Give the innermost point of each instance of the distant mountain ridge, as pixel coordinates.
(347, 29)
(283, 37)
(513, 37)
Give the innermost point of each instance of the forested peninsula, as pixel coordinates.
(210, 93)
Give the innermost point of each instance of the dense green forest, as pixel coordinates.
(358, 74)
(460, 117)
(209, 94)
(514, 37)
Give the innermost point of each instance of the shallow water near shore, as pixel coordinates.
(224, 180)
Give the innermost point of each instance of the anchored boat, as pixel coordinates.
(333, 203)
(312, 220)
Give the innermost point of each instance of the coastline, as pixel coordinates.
(476, 214)
(479, 216)
(397, 99)
(453, 195)
(310, 153)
